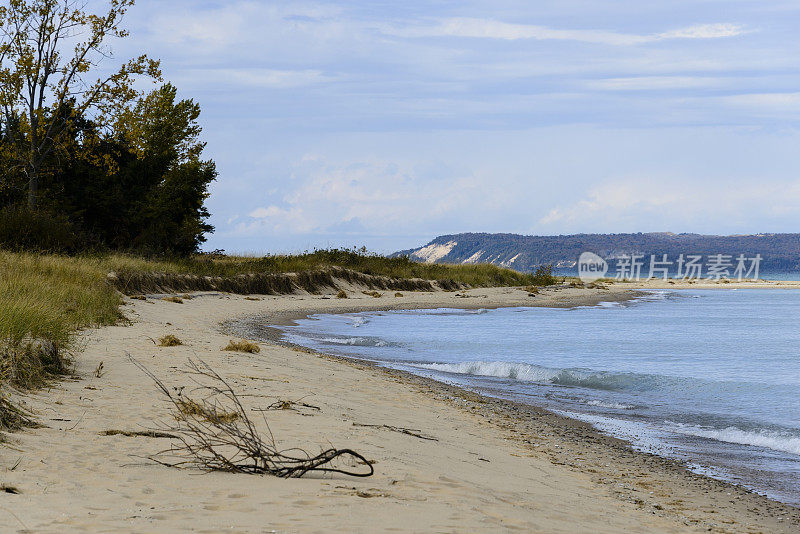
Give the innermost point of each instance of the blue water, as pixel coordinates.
(709, 377)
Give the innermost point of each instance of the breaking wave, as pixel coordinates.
(564, 377)
(612, 405)
(359, 320)
(770, 439)
(354, 341)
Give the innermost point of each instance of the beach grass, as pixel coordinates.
(46, 299)
(478, 275)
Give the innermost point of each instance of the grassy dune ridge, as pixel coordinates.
(46, 299)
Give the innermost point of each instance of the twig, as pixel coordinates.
(281, 404)
(407, 431)
(142, 433)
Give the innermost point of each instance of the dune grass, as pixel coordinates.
(46, 299)
(479, 275)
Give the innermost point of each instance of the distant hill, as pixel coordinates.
(780, 252)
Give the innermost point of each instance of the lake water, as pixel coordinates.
(709, 377)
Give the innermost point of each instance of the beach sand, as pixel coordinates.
(493, 466)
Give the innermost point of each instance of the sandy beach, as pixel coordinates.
(491, 465)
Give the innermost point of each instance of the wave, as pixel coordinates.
(534, 373)
(359, 321)
(446, 311)
(354, 341)
(770, 439)
(612, 405)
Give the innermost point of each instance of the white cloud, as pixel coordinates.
(380, 195)
(766, 100)
(643, 83)
(493, 29)
(260, 77)
(704, 31)
(669, 204)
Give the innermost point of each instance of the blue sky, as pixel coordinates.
(387, 123)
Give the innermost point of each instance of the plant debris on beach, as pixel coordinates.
(169, 341)
(242, 346)
(215, 433)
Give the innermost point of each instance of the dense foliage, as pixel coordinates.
(139, 185)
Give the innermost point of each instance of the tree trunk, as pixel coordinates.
(33, 189)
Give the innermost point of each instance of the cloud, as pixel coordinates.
(644, 83)
(704, 31)
(493, 29)
(766, 100)
(259, 77)
(379, 195)
(666, 204)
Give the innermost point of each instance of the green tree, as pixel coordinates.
(143, 185)
(49, 52)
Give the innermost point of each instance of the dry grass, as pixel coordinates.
(398, 294)
(176, 300)
(342, 294)
(190, 408)
(374, 294)
(169, 341)
(242, 346)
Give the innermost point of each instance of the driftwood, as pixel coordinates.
(284, 404)
(211, 439)
(138, 434)
(407, 431)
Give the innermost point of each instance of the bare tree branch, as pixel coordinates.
(214, 432)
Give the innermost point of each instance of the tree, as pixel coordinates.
(49, 53)
(142, 186)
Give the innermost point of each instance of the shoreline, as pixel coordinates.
(494, 465)
(579, 433)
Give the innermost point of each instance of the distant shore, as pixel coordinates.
(494, 464)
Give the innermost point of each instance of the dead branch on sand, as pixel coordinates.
(233, 444)
(407, 431)
(285, 404)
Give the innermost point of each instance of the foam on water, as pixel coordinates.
(769, 439)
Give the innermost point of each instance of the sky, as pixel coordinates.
(385, 123)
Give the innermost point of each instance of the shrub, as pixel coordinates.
(342, 294)
(176, 300)
(543, 276)
(22, 229)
